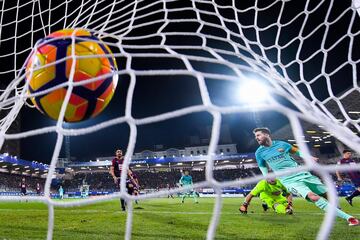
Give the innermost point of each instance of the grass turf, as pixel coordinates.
(169, 219)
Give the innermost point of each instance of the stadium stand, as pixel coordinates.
(9, 183)
(152, 179)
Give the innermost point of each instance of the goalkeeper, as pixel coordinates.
(186, 180)
(271, 192)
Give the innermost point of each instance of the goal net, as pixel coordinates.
(306, 53)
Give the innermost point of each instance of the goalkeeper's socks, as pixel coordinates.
(354, 194)
(265, 206)
(323, 204)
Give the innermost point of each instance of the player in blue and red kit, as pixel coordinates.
(115, 171)
(354, 176)
(132, 184)
(23, 187)
(38, 189)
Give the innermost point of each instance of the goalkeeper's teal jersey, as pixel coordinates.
(186, 180)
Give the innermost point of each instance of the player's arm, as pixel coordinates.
(254, 192)
(136, 181)
(262, 164)
(131, 176)
(294, 150)
(289, 199)
(181, 181)
(243, 208)
(338, 175)
(112, 173)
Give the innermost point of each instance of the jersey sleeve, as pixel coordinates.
(260, 186)
(113, 163)
(261, 163)
(181, 180)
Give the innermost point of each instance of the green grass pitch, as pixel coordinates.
(169, 219)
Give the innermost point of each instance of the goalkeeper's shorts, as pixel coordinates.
(270, 201)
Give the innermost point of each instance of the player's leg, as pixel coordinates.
(265, 198)
(323, 204)
(302, 187)
(122, 201)
(186, 193)
(130, 190)
(281, 206)
(276, 203)
(267, 201)
(317, 187)
(355, 193)
(264, 206)
(194, 196)
(183, 197)
(136, 193)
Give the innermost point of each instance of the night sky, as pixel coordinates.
(161, 94)
(148, 101)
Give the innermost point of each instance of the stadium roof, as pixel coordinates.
(12, 164)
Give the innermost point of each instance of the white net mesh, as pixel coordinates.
(305, 51)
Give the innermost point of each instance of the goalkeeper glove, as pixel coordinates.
(243, 208)
(289, 209)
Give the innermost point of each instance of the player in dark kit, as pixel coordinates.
(353, 175)
(115, 171)
(23, 187)
(38, 189)
(132, 184)
(170, 195)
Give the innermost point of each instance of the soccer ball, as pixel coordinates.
(47, 68)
